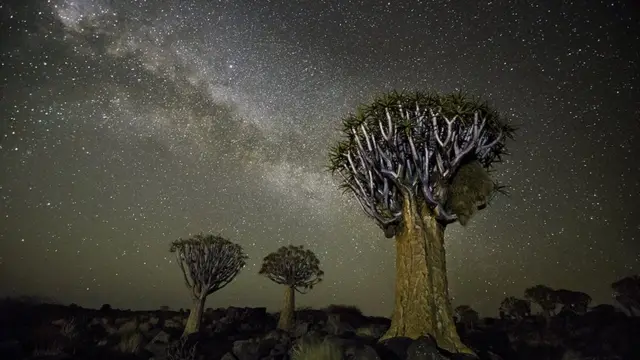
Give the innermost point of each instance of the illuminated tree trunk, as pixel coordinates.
(195, 317)
(286, 315)
(422, 305)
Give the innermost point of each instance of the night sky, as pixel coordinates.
(126, 125)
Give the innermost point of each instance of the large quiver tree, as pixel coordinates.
(208, 263)
(415, 163)
(296, 268)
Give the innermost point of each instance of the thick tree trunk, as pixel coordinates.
(288, 307)
(195, 317)
(422, 305)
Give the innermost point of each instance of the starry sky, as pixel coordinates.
(126, 125)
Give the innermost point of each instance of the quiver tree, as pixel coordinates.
(545, 297)
(575, 301)
(415, 163)
(514, 308)
(297, 269)
(626, 291)
(208, 263)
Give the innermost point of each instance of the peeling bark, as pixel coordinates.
(422, 306)
(288, 307)
(195, 317)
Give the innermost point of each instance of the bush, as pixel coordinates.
(316, 349)
(131, 342)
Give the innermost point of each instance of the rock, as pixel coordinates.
(397, 347)
(10, 349)
(424, 348)
(128, 327)
(463, 356)
(144, 327)
(246, 349)
(365, 352)
(336, 327)
(280, 336)
(158, 345)
(228, 356)
(172, 324)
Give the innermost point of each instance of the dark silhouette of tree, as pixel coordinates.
(105, 308)
(298, 270)
(575, 301)
(514, 308)
(626, 291)
(467, 316)
(208, 263)
(544, 296)
(415, 163)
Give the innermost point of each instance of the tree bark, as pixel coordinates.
(195, 317)
(422, 306)
(288, 307)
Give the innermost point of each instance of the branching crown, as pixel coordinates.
(293, 266)
(413, 145)
(208, 262)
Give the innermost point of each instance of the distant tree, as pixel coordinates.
(105, 308)
(208, 263)
(626, 291)
(514, 308)
(416, 163)
(298, 270)
(467, 316)
(575, 301)
(544, 296)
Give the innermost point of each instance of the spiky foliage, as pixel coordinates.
(544, 296)
(413, 144)
(514, 308)
(208, 262)
(627, 292)
(293, 266)
(575, 301)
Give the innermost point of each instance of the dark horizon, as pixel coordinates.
(125, 127)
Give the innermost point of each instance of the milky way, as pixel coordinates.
(126, 125)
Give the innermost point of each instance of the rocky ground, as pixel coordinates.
(30, 331)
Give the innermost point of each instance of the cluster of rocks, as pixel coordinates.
(249, 334)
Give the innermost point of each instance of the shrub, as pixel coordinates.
(316, 349)
(130, 342)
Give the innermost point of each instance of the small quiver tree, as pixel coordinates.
(415, 163)
(626, 291)
(514, 309)
(208, 263)
(545, 297)
(296, 268)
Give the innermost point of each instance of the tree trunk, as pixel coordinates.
(195, 317)
(288, 307)
(422, 305)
